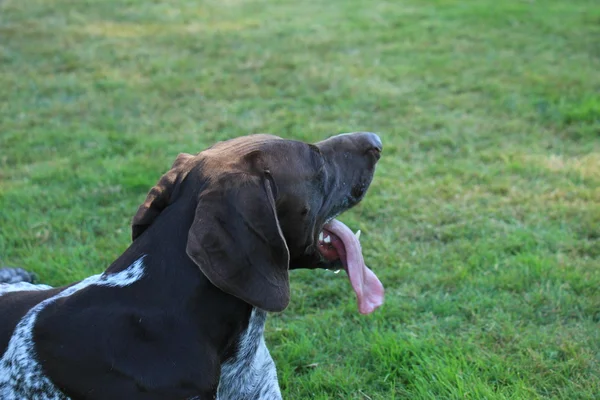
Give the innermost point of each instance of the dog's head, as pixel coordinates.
(264, 205)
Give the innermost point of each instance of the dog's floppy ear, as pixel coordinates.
(237, 242)
(159, 197)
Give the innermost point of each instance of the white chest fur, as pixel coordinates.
(251, 373)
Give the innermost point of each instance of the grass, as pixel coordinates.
(483, 221)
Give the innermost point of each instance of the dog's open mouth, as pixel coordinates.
(338, 242)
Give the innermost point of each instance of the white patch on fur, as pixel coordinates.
(20, 287)
(251, 373)
(21, 375)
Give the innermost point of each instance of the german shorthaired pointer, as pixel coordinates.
(181, 313)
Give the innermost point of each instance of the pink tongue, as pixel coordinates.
(368, 288)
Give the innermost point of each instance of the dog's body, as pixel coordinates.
(249, 374)
(181, 313)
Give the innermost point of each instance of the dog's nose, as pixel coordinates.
(374, 141)
(371, 143)
(363, 142)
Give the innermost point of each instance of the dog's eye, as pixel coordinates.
(304, 211)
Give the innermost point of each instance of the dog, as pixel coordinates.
(181, 313)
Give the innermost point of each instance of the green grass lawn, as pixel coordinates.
(483, 221)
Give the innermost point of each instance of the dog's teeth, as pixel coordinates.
(327, 239)
(357, 234)
(321, 237)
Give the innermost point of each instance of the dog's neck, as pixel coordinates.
(173, 281)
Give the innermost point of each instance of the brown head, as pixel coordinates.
(262, 204)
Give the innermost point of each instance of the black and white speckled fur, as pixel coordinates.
(15, 275)
(21, 375)
(250, 374)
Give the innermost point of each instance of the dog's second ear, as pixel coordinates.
(237, 242)
(159, 197)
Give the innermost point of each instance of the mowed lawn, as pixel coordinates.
(483, 221)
